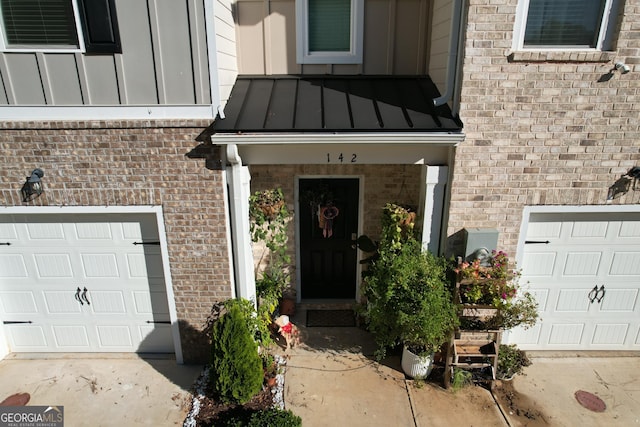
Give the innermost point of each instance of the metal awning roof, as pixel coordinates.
(322, 104)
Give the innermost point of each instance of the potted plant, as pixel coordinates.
(409, 304)
(511, 361)
(488, 293)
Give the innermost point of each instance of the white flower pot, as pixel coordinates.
(418, 367)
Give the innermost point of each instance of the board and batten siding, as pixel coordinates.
(397, 38)
(226, 56)
(163, 62)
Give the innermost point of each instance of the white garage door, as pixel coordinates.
(584, 269)
(83, 283)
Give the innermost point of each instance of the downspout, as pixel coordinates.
(239, 180)
(455, 43)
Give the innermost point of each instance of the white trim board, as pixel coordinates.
(157, 211)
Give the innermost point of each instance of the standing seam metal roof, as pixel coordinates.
(330, 103)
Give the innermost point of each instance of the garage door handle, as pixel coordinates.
(596, 294)
(536, 242)
(166, 322)
(84, 296)
(147, 243)
(15, 322)
(5, 244)
(78, 296)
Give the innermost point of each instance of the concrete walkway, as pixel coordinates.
(333, 379)
(105, 390)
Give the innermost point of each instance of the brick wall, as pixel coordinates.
(541, 129)
(127, 164)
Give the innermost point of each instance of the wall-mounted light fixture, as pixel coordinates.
(622, 67)
(32, 187)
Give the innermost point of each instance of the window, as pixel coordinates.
(565, 24)
(329, 31)
(54, 25)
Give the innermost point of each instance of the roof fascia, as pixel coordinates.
(432, 138)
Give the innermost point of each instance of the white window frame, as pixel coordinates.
(353, 56)
(607, 26)
(80, 48)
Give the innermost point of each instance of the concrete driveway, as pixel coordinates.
(103, 390)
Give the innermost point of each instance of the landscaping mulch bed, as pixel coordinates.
(207, 410)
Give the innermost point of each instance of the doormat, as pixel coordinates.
(331, 318)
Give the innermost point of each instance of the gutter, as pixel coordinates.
(455, 43)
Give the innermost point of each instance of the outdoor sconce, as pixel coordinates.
(622, 67)
(32, 187)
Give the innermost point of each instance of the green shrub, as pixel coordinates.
(236, 372)
(266, 418)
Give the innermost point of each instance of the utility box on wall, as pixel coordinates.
(470, 242)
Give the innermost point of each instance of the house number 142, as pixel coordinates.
(341, 158)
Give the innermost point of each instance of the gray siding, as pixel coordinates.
(164, 61)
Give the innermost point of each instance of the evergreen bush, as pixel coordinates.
(265, 418)
(236, 372)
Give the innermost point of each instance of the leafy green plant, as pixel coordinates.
(398, 224)
(460, 379)
(236, 373)
(268, 224)
(265, 418)
(407, 299)
(511, 361)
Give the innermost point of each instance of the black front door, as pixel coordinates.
(328, 226)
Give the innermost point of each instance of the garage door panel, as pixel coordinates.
(566, 333)
(150, 303)
(93, 231)
(629, 229)
(625, 264)
(45, 231)
(572, 300)
(8, 232)
(619, 300)
(27, 337)
(145, 265)
(61, 302)
(99, 265)
(539, 264)
(18, 302)
(582, 264)
(107, 302)
(114, 336)
(67, 336)
(12, 266)
(154, 338)
(53, 265)
(546, 229)
(613, 334)
(589, 229)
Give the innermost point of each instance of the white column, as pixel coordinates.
(239, 189)
(431, 209)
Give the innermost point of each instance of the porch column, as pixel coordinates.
(432, 193)
(239, 180)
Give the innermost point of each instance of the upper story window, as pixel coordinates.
(59, 25)
(329, 31)
(565, 24)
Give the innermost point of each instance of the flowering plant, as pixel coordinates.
(494, 282)
(491, 282)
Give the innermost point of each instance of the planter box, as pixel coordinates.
(481, 312)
